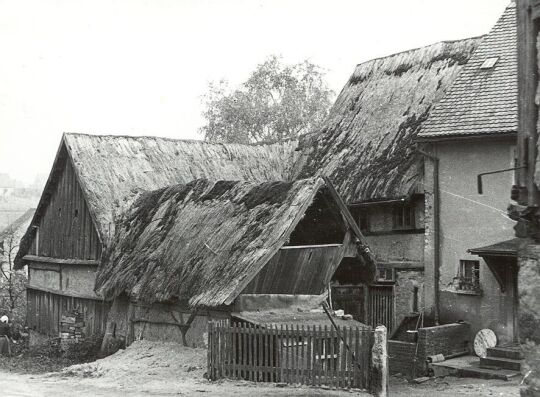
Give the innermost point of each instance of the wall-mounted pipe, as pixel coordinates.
(479, 176)
(436, 233)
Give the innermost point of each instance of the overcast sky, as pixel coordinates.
(140, 67)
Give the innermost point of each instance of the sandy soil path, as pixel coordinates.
(161, 369)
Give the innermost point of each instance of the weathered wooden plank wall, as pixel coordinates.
(65, 228)
(44, 310)
(305, 270)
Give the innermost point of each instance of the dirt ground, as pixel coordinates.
(167, 369)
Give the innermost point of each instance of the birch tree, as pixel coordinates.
(275, 103)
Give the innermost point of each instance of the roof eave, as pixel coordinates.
(455, 137)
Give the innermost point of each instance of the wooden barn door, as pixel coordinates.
(351, 300)
(373, 305)
(381, 306)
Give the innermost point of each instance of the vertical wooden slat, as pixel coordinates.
(294, 332)
(250, 351)
(279, 356)
(309, 356)
(366, 354)
(227, 350)
(259, 360)
(209, 352)
(303, 361)
(326, 354)
(316, 356)
(332, 361)
(234, 353)
(358, 357)
(287, 354)
(242, 352)
(343, 367)
(219, 350)
(270, 353)
(267, 353)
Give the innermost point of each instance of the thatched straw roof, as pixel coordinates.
(482, 100)
(366, 146)
(202, 242)
(114, 170)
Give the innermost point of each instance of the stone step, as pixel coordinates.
(500, 362)
(513, 352)
(486, 373)
(469, 367)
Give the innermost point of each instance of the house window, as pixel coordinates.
(468, 276)
(363, 220)
(403, 216)
(385, 274)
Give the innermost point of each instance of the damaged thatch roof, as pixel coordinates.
(484, 98)
(366, 146)
(114, 170)
(201, 242)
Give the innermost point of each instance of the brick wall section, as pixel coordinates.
(443, 339)
(401, 359)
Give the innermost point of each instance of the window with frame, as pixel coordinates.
(468, 275)
(403, 216)
(363, 220)
(385, 274)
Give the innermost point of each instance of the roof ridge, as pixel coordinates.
(186, 140)
(411, 50)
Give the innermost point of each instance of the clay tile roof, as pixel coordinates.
(482, 100)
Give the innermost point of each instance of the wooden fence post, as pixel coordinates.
(379, 363)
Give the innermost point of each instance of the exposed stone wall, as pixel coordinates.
(408, 283)
(529, 314)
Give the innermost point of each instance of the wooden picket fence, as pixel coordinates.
(310, 355)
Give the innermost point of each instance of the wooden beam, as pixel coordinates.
(63, 293)
(292, 247)
(527, 110)
(52, 267)
(58, 261)
(365, 251)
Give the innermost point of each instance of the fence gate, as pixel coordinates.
(309, 355)
(372, 305)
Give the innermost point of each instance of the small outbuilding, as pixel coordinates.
(185, 254)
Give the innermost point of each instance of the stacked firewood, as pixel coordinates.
(71, 326)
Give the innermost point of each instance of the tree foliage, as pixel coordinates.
(275, 103)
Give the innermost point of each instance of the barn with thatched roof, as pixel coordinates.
(367, 148)
(188, 253)
(94, 179)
